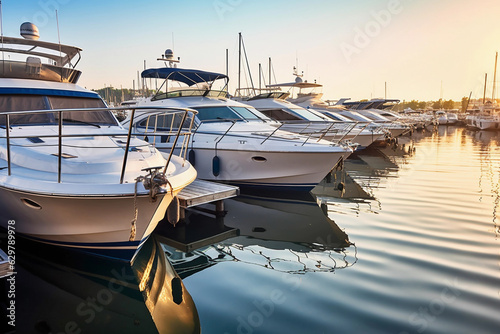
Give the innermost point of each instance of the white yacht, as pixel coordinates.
(484, 117)
(233, 142)
(307, 97)
(70, 174)
(442, 117)
(308, 122)
(366, 128)
(378, 110)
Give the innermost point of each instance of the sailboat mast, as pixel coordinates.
(227, 69)
(494, 80)
(239, 63)
(269, 70)
(484, 94)
(260, 82)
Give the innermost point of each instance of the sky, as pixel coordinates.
(418, 49)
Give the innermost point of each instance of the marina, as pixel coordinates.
(359, 260)
(282, 202)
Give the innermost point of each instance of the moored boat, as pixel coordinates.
(233, 142)
(70, 174)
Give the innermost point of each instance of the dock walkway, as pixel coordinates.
(202, 192)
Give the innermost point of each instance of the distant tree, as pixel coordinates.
(422, 105)
(413, 104)
(465, 101)
(437, 104)
(449, 105)
(116, 96)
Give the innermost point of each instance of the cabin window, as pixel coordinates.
(250, 114)
(102, 117)
(280, 115)
(306, 114)
(24, 103)
(39, 102)
(218, 114)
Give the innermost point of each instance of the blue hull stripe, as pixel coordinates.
(50, 92)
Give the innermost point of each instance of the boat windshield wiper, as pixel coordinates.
(71, 120)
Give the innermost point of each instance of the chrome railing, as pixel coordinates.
(303, 132)
(182, 113)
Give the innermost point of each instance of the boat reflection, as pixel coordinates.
(69, 292)
(287, 232)
(350, 189)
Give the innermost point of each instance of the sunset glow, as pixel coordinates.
(351, 47)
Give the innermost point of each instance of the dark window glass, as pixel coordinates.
(217, 114)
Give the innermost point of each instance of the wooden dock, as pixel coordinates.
(203, 192)
(202, 226)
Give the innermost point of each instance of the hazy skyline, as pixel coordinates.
(351, 47)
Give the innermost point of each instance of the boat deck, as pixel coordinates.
(203, 226)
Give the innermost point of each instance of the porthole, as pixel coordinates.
(259, 159)
(31, 204)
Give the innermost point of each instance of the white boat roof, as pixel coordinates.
(41, 87)
(69, 51)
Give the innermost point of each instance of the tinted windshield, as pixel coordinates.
(250, 113)
(306, 114)
(221, 113)
(38, 102)
(225, 113)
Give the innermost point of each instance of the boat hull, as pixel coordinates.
(483, 123)
(290, 170)
(96, 224)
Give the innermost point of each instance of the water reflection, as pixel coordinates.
(489, 179)
(284, 232)
(68, 292)
(350, 188)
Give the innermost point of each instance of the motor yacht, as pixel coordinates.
(70, 174)
(233, 142)
(484, 117)
(308, 122)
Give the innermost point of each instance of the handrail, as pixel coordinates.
(225, 133)
(175, 142)
(272, 133)
(59, 150)
(60, 135)
(7, 128)
(127, 146)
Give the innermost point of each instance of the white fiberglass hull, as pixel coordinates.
(293, 170)
(484, 123)
(96, 218)
(100, 225)
(364, 139)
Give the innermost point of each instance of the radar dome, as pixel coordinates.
(169, 53)
(29, 31)
(298, 80)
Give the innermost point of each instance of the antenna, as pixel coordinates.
(239, 62)
(59, 39)
(494, 80)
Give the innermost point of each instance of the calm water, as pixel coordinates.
(411, 245)
(421, 220)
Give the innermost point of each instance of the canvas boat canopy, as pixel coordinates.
(188, 76)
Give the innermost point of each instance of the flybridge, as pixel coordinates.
(22, 59)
